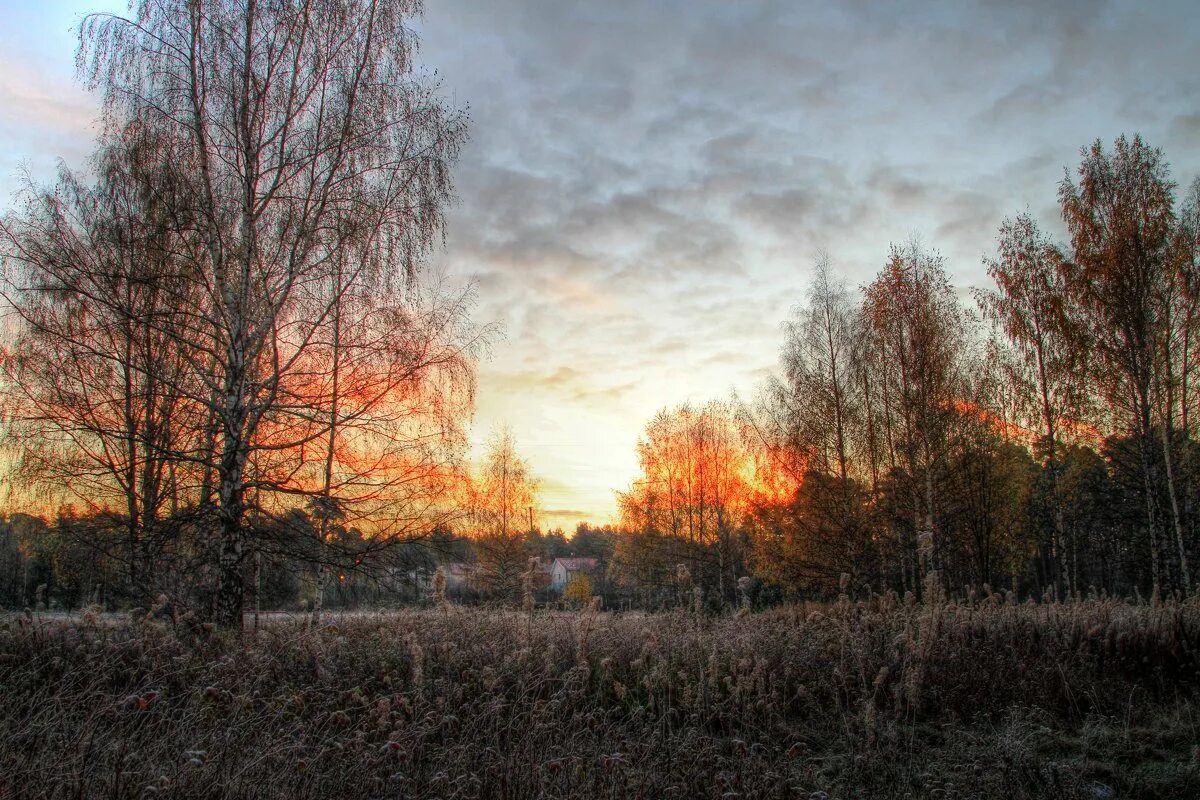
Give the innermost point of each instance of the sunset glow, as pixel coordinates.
(640, 202)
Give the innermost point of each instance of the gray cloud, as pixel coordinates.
(647, 183)
(650, 181)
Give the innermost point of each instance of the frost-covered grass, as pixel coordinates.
(1091, 699)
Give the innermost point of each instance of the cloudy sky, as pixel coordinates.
(648, 183)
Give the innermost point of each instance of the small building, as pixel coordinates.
(564, 569)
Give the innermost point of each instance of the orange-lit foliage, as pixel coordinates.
(499, 500)
(1080, 432)
(701, 475)
(778, 473)
(1006, 429)
(382, 406)
(502, 494)
(1074, 431)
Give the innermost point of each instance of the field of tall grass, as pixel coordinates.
(878, 697)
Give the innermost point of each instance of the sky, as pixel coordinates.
(648, 184)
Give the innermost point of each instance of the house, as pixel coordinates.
(564, 569)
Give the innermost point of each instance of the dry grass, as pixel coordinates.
(879, 698)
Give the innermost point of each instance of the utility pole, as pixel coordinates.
(257, 585)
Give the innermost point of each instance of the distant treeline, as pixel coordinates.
(74, 562)
(1042, 440)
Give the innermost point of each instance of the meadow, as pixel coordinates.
(875, 697)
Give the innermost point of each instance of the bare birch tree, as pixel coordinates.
(309, 143)
(915, 324)
(1029, 307)
(92, 378)
(502, 498)
(1121, 218)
